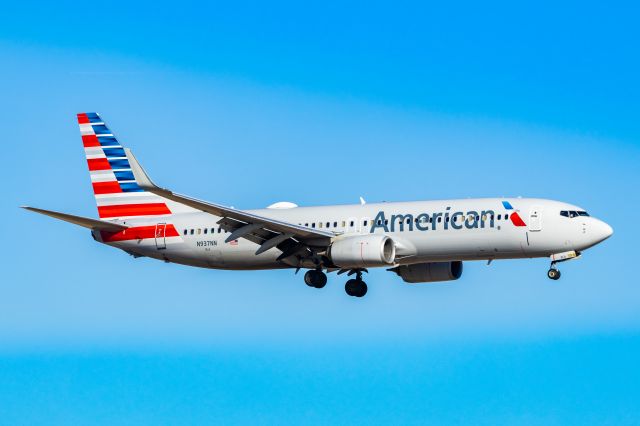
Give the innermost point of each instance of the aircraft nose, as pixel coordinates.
(601, 230)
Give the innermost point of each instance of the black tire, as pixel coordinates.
(362, 289)
(350, 287)
(308, 278)
(315, 278)
(321, 279)
(553, 274)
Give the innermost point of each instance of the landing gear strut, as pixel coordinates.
(357, 287)
(315, 278)
(553, 273)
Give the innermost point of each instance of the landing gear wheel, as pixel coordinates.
(553, 274)
(315, 278)
(350, 287)
(355, 288)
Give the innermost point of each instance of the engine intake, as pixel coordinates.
(363, 251)
(429, 272)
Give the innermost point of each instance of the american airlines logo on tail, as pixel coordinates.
(116, 191)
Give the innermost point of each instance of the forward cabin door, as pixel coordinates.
(535, 219)
(161, 242)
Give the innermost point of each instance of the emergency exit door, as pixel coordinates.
(161, 242)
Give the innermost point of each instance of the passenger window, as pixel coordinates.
(185, 232)
(440, 219)
(313, 225)
(506, 216)
(351, 223)
(205, 230)
(335, 224)
(199, 231)
(499, 217)
(328, 224)
(319, 224)
(192, 232)
(306, 224)
(408, 221)
(365, 223)
(344, 224)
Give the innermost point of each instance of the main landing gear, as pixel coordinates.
(315, 278)
(354, 287)
(357, 287)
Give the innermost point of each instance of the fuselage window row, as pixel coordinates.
(365, 222)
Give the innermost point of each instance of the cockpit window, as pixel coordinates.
(573, 213)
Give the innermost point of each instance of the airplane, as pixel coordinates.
(420, 241)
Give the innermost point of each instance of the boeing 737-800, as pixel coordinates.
(421, 241)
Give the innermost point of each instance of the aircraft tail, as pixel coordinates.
(118, 195)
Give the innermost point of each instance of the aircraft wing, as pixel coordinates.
(290, 238)
(86, 222)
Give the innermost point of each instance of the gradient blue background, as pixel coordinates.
(320, 104)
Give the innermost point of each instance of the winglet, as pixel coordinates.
(142, 178)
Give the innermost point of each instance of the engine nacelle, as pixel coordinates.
(429, 272)
(363, 251)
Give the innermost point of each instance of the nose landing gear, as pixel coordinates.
(553, 273)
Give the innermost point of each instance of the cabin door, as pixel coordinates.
(535, 219)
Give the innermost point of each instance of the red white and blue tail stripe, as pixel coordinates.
(114, 186)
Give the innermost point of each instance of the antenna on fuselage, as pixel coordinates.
(362, 201)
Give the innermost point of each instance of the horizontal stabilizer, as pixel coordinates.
(79, 220)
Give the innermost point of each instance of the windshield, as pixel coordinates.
(573, 213)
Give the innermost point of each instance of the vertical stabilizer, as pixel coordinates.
(118, 195)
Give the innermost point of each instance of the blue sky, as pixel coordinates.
(320, 104)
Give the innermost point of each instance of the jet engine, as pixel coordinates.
(429, 272)
(363, 251)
